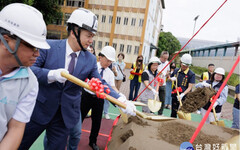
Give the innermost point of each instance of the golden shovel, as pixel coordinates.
(181, 114)
(112, 99)
(153, 104)
(217, 122)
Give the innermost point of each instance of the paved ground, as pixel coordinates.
(125, 88)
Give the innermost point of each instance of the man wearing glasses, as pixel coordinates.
(22, 30)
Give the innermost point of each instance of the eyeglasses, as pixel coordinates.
(140, 60)
(29, 46)
(25, 43)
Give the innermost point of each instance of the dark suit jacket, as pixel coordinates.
(67, 95)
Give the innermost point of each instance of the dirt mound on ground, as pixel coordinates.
(197, 99)
(154, 135)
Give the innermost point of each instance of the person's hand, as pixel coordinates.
(205, 84)
(154, 91)
(181, 96)
(130, 107)
(55, 75)
(173, 78)
(122, 95)
(215, 104)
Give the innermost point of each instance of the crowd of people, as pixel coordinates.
(43, 100)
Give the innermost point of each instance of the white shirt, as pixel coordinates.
(25, 105)
(108, 76)
(68, 58)
(164, 72)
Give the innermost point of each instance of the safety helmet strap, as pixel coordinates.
(77, 35)
(18, 40)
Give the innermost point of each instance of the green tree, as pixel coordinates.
(168, 42)
(49, 8)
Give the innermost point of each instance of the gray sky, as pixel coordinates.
(178, 18)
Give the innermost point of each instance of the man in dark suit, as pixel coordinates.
(58, 103)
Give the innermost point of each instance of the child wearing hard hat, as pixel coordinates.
(185, 79)
(215, 82)
(147, 76)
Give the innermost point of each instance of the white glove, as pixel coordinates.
(122, 95)
(154, 91)
(215, 104)
(55, 75)
(130, 107)
(205, 84)
(181, 95)
(173, 78)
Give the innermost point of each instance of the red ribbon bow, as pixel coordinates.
(179, 89)
(97, 86)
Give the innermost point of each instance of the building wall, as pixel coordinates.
(131, 31)
(153, 29)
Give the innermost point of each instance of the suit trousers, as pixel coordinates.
(175, 105)
(88, 102)
(161, 93)
(56, 133)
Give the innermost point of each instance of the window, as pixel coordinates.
(106, 43)
(103, 18)
(133, 22)
(97, 16)
(60, 2)
(118, 21)
(121, 48)
(110, 19)
(99, 44)
(93, 43)
(75, 3)
(141, 22)
(66, 17)
(136, 51)
(115, 46)
(129, 48)
(125, 21)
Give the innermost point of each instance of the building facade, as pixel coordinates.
(130, 26)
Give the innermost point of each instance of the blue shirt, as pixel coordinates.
(236, 102)
(183, 78)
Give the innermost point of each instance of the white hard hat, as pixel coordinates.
(84, 19)
(186, 59)
(109, 52)
(25, 22)
(154, 60)
(220, 70)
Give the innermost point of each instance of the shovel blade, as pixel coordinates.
(221, 123)
(154, 105)
(182, 115)
(124, 116)
(160, 118)
(218, 123)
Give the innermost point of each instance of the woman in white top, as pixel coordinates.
(120, 66)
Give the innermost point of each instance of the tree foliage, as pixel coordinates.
(167, 42)
(49, 8)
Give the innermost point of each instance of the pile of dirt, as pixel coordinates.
(197, 99)
(142, 134)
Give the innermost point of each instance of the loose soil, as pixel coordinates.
(142, 134)
(197, 99)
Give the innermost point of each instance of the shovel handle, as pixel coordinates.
(178, 96)
(86, 86)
